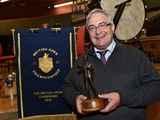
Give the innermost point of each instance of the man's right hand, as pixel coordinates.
(79, 100)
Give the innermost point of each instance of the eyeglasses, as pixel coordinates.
(100, 26)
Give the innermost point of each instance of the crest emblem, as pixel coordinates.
(46, 63)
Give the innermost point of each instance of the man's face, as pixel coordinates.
(100, 31)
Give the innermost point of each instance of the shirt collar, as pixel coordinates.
(110, 47)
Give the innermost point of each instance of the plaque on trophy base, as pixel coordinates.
(91, 105)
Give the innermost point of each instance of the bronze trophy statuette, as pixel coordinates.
(90, 104)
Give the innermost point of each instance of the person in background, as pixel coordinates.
(127, 81)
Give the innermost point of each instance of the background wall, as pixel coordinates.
(152, 3)
(7, 25)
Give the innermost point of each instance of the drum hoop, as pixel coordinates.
(138, 31)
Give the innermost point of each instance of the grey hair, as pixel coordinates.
(97, 10)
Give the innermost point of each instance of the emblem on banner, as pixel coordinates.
(46, 63)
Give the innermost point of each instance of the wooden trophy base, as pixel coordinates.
(92, 105)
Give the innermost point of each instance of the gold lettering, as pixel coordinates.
(46, 77)
(39, 50)
(36, 93)
(53, 51)
(47, 96)
(48, 100)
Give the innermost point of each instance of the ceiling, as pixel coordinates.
(15, 9)
(22, 3)
(19, 3)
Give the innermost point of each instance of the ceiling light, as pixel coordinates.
(3, 1)
(63, 4)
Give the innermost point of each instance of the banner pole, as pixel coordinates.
(20, 77)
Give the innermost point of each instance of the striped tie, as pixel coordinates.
(102, 56)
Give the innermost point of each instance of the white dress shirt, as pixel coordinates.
(109, 52)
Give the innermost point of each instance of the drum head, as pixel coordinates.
(132, 18)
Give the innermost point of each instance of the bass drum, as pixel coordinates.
(132, 19)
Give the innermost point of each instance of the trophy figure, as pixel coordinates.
(90, 104)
